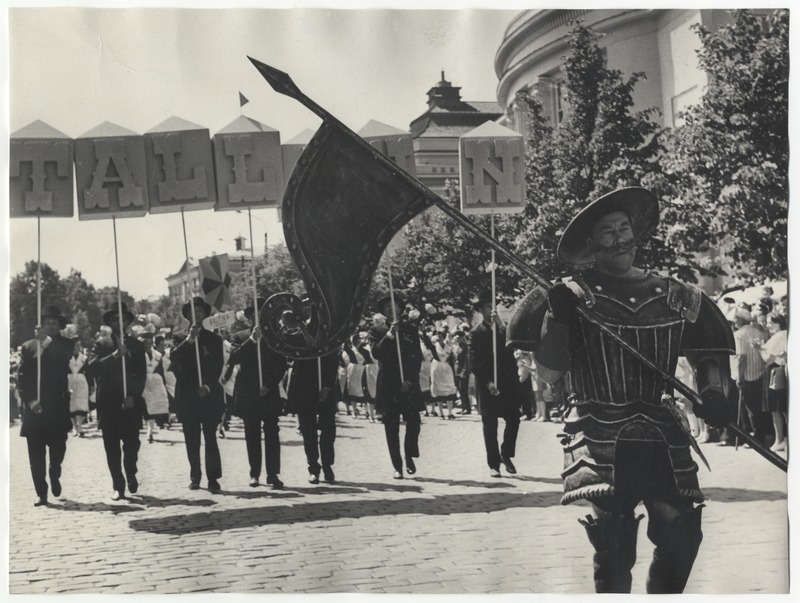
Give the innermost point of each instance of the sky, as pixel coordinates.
(77, 68)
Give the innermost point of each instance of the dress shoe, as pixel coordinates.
(117, 495)
(133, 485)
(253, 482)
(776, 447)
(55, 486)
(411, 468)
(398, 475)
(193, 485)
(509, 466)
(495, 473)
(275, 482)
(40, 501)
(327, 472)
(214, 487)
(313, 479)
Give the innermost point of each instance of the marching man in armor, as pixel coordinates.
(625, 441)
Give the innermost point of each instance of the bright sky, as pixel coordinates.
(76, 68)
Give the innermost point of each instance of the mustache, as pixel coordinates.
(618, 247)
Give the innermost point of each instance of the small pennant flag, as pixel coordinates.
(243, 100)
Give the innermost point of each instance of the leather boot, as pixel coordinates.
(614, 540)
(677, 539)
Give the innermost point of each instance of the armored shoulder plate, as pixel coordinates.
(684, 299)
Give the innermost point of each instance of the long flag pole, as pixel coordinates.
(494, 307)
(282, 83)
(119, 310)
(394, 315)
(38, 307)
(255, 296)
(191, 301)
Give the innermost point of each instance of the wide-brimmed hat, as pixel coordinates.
(484, 297)
(186, 310)
(54, 312)
(249, 311)
(113, 310)
(387, 299)
(638, 203)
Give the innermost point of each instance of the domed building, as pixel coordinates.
(661, 43)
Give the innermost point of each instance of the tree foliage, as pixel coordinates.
(600, 145)
(727, 164)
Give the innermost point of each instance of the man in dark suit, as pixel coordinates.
(45, 414)
(200, 406)
(312, 391)
(259, 406)
(500, 399)
(119, 415)
(398, 394)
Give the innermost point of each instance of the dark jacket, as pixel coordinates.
(304, 386)
(54, 389)
(481, 359)
(247, 403)
(187, 385)
(107, 373)
(389, 394)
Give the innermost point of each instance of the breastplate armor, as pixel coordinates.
(617, 397)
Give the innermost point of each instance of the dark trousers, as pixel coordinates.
(391, 425)
(463, 393)
(37, 456)
(528, 399)
(193, 426)
(318, 447)
(128, 436)
(272, 445)
(493, 408)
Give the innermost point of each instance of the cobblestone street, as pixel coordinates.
(448, 529)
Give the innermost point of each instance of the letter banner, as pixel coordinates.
(492, 164)
(40, 173)
(110, 173)
(180, 167)
(249, 165)
(396, 144)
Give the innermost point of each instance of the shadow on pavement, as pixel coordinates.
(324, 490)
(541, 480)
(378, 487)
(464, 482)
(728, 495)
(448, 504)
(72, 505)
(152, 501)
(260, 492)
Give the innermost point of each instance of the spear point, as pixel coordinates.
(280, 81)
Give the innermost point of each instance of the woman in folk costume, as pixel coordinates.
(78, 386)
(426, 348)
(443, 383)
(355, 374)
(370, 376)
(155, 389)
(160, 345)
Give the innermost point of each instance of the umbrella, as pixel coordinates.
(216, 281)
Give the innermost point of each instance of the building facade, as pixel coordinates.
(436, 132)
(660, 43)
(186, 282)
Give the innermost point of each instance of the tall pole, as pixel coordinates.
(394, 315)
(255, 296)
(38, 307)
(319, 372)
(119, 310)
(191, 300)
(494, 307)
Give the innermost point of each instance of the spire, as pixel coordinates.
(444, 95)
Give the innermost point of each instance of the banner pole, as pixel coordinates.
(38, 306)
(319, 372)
(394, 315)
(255, 296)
(494, 307)
(191, 300)
(119, 310)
